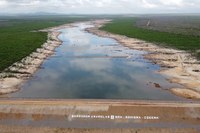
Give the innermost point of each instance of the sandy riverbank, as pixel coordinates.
(178, 66)
(12, 77)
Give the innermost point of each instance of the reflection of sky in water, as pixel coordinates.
(84, 67)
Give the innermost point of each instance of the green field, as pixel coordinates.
(127, 27)
(18, 36)
(178, 24)
(17, 39)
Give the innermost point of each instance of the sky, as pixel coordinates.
(99, 6)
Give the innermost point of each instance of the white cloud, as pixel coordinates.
(172, 2)
(31, 3)
(3, 2)
(146, 4)
(100, 6)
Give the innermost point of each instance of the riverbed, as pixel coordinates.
(87, 66)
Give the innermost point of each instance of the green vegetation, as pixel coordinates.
(178, 24)
(19, 36)
(127, 27)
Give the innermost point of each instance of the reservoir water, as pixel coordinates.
(87, 66)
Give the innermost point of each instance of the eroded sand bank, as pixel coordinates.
(179, 66)
(12, 77)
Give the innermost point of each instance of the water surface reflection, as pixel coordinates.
(88, 66)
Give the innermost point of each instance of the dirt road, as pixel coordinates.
(65, 115)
